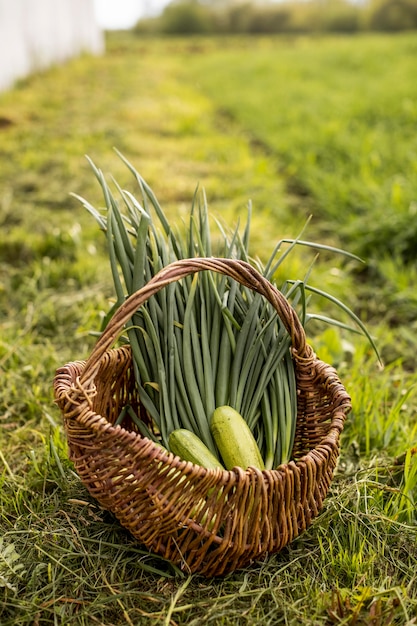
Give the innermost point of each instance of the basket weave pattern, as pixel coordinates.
(207, 521)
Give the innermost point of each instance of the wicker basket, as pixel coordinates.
(204, 520)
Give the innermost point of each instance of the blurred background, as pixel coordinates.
(258, 15)
(277, 16)
(34, 35)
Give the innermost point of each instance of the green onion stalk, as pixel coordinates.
(205, 341)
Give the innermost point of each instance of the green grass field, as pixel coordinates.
(300, 126)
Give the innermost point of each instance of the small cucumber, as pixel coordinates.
(189, 447)
(234, 439)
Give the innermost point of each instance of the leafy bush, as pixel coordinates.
(270, 19)
(237, 18)
(392, 15)
(186, 17)
(341, 17)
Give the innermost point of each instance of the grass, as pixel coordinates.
(328, 113)
(63, 560)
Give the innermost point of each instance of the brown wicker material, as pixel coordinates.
(207, 521)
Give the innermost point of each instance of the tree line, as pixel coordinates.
(184, 17)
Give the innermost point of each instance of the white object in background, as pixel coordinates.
(35, 34)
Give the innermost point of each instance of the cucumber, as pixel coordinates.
(234, 439)
(189, 447)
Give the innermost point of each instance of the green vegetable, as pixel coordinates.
(206, 340)
(189, 447)
(237, 445)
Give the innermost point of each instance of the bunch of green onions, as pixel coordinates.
(205, 341)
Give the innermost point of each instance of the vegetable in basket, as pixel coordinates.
(234, 439)
(207, 341)
(189, 447)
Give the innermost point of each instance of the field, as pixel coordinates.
(301, 127)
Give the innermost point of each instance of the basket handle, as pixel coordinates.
(240, 271)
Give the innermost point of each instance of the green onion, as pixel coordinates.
(205, 341)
